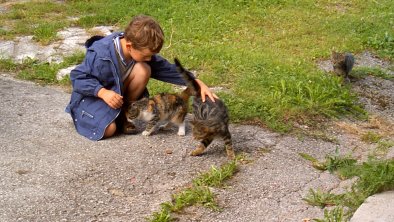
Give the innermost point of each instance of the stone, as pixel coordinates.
(7, 49)
(376, 208)
(64, 72)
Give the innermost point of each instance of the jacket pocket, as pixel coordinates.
(88, 112)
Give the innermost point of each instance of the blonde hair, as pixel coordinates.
(144, 32)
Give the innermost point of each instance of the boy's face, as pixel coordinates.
(143, 55)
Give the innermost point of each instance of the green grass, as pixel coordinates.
(322, 199)
(334, 215)
(263, 51)
(198, 193)
(374, 176)
(215, 177)
(366, 71)
(383, 147)
(371, 137)
(332, 162)
(41, 72)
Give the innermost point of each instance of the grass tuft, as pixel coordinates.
(322, 199)
(198, 193)
(215, 177)
(374, 176)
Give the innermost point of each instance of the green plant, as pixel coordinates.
(41, 72)
(383, 147)
(371, 137)
(191, 196)
(374, 176)
(7, 65)
(215, 177)
(334, 215)
(331, 163)
(162, 216)
(197, 193)
(46, 32)
(383, 43)
(365, 71)
(322, 199)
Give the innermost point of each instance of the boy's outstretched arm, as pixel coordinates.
(205, 91)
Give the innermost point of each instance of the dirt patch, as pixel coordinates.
(377, 96)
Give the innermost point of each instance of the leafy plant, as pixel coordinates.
(197, 193)
(331, 163)
(334, 215)
(374, 176)
(215, 177)
(384, 44)
(322, 199)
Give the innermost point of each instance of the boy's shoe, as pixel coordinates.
(129, 128)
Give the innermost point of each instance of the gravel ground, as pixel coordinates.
(50, 173)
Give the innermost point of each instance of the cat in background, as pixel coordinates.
(211, 119)
(164, 107)
(342, 63)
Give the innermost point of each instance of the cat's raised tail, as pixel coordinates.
(188, 77)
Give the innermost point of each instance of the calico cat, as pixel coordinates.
(164, 107)
(210, 119)
(342, 63)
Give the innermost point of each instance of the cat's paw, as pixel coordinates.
(182, 130)
(198, 151)
(230, 154)
(181, 133)
(146, 133)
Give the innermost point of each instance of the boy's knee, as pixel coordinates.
(110, 130)
(142, 69)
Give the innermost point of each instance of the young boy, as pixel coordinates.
(116, 70)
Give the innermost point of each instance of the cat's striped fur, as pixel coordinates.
(342, 64)
(162, 108)
(210, 119)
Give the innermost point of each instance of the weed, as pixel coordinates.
(215, 177)
(383, 43)
(334, 215)
(322, 199)
(360, 72)
(331, 163)
(191, 196)
(371, 137)
(374, 176)
(46, 32)
(198, 193)
(7, 65)
(162, 216)
(383, 147)
(41, 72)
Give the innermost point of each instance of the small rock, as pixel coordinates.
(64, 72)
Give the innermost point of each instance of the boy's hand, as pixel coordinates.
(113, 100)
(205, 91)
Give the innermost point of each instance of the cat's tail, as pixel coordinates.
(193, 89)
(349, 62)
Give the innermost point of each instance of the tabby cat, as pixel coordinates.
(164, 107)
(342, 63)
(210, 118)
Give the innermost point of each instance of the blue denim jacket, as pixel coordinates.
(90, 114)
